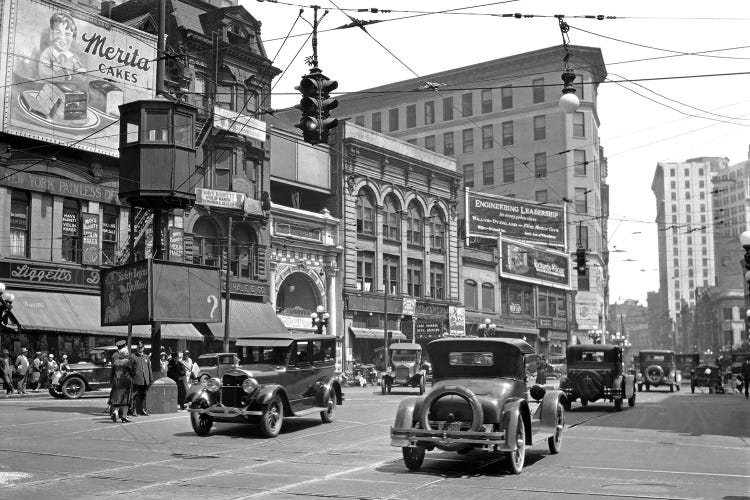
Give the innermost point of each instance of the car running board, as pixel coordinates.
(309, 411)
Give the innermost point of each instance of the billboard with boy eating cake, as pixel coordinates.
(68, 71)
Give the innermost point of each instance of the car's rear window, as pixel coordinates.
(655, 357)
(470, 359)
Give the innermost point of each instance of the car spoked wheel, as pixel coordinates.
(73, 388)
(329, 414)
(413, 457)
(555, 441)
(517, 457)
(201, 422)
(272, 418)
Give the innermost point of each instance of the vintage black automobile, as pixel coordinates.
(686, 363)
(709, 376)
(214, 365)
(595, 372)
(478, 400)
(280, 376)
(657, 368)
(405, 369)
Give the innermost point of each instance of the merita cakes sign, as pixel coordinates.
(68, 71)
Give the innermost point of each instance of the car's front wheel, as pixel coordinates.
(329, 414)
(201, 422)
(517, 457)
(272, 418)
(555, 441)
(413, 457)
(73, 388)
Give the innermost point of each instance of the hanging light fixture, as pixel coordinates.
(569, 100)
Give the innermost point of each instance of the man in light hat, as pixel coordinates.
(6, 370)
(51, 367)
(36, 371)
(22, 370)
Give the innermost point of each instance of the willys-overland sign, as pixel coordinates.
(524, 262)
(489, 216)
(68, 71)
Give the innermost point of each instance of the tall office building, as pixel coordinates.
(731, 216)
(684, 216)
(501, 122)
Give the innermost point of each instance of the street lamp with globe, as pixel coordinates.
(320, 319)
(6, 304)
(487, 329)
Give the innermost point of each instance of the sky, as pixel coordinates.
(674, 115)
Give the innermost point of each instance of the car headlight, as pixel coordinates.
(213, 385)
(249, 385)
(707, 371)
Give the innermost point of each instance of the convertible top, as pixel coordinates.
(520, 345)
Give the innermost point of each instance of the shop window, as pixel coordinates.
(517, 300)
(365, 213)
(365, 267)
(391, 219)
(414, 232)
(71, 231)
(20, 217)
(110, 224)
(437, 281)
(414, 277)
(488, 297)
(471, 300)
(391, 273)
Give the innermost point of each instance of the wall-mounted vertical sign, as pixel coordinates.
(457, 320)
(91, 239)
(70, 222)
(176, 244)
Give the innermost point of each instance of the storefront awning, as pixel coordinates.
(248, 319)
(80, 314)
(264, 342)
(368, 333)
(517, 330)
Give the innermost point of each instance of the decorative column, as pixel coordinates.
(330, 270)
(272, 291)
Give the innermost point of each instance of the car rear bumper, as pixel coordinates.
(402, 437)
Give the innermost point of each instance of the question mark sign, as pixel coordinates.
(211, 299)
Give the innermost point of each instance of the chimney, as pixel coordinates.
(106, 8)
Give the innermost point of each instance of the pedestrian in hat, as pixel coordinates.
(164, 363)
(176, 371)
(123, 371)
(142, 379)
(64, 367)
(36, 371)
(52, 367)
(6, 371)
(22, 370)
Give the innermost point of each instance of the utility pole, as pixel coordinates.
(225, 345)
(387, 276)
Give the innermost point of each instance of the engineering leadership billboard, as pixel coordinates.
(68, 71)
(489, 216)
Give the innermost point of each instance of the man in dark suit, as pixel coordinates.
(142, 380)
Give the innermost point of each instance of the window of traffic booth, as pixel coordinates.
(20, 212)
(71, 231)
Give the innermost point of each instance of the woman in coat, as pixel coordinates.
(541, 371)
(123, 370)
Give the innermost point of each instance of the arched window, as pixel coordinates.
(365, 212)
(19, 224)
(488, 297)
(470, 294)
(71, 231)
(414, 233)
(437, 229)
(206, 245)
(391, 218)
(244, 258)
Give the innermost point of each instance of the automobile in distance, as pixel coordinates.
(686, 363)
(556, 366)
(707, 376)
(657, 368)
(279, 376)
(596, 371)
(85, 376)
(405, 369)
(214, 365)
(478, 400)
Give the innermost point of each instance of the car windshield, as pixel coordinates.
(402, 355)
(277, 356)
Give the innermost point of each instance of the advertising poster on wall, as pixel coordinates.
(125, 294)
(534, 265)
(91, 239)
(490, 215)
(68, 71)
(457, 320)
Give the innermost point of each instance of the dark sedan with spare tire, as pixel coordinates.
(595, 372)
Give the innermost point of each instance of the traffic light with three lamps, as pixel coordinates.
(316, 104)
(581, 261)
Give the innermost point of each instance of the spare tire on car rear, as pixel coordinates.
(477, 415)
(654, 374)
(589, 385)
